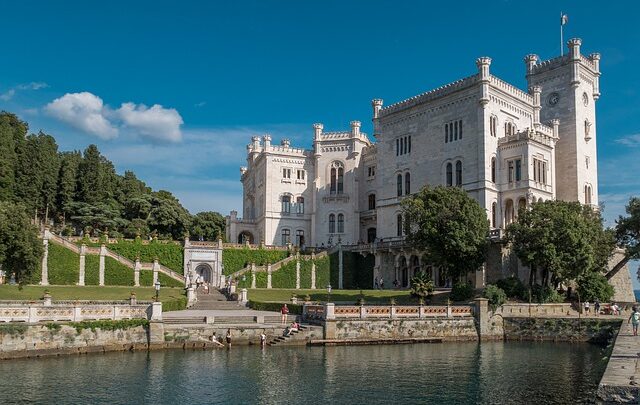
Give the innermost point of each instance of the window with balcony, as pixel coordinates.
(372, 201)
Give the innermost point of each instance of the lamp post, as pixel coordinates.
(329, 292)
(157, 287)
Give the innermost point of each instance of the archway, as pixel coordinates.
(204, 270)
(245, 236)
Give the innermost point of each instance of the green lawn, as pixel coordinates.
(344, 296)
(32, 292)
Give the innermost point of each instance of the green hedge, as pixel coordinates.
(357, 270)
(146, 280)
(63, 265)
(174, 305)
(116, 273)
(168, 254)
(275, 306)
(285, 277)
(237, 259)
(323, 272)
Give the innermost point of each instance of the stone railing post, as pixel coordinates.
(156, 269)
(103, 253)
(33, 314)
(132, 299)
(421, 311)
(45, 262)
(268, 275)
(392, 312)
(363, 312)
(449, 311)
(219, 243)
(77, 313)
(83, 261)
(243, 296)
(191, 296)
(253, 275)
(329, 311)
(156, 311)
(46, 299)
(297, 271)
(313, 271)
(136, 272)
(482, 316)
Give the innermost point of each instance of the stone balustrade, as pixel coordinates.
(332, 311)
(559, 309)
(68, 311)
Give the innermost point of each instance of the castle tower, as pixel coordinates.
(570, 89)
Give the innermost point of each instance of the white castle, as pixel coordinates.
(506, 147)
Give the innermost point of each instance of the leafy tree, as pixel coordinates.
(67, 181)
(628, 235)
(422, 285)
(562, 239)
(20, 248)
(449, 226)
(207, 225)
(8, 156)
(495, 295)
(98, 217)
(97, 179)
(168, 216)
(594, 286)
(461, 291)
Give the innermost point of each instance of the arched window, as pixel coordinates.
(340, 223)
(399, 224)
(449, 174)
(446, 133)
(372, 201)
(332, 223)
(407, 183)
(340, 180)
(286, 236)
(493, 170)
(509, 215)
(493, 125)
(455, 131)
(509, 128)
(522, 204)
(459, 173)
(300, 205)
(493, 215)
(399, 181)
(334, 179)
(286, 204)
(587, 194)
(299, 237)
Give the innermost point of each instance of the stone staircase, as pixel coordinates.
(299, 337)
(215, 300)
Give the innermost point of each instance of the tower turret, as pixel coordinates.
(355, 128)
(483, 64)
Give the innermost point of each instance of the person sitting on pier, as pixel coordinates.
(294, 327)
(214, 339)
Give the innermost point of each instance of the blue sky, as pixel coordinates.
(175, 89)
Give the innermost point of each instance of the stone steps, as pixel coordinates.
(300, 337)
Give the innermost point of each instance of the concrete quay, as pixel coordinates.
(621, 380)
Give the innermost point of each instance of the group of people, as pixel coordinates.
(597, 308)
(378, 283)
(227, 338)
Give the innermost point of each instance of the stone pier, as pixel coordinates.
(621, 380)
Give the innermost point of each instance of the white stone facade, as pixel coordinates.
(506, 147)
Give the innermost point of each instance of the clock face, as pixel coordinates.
(553, 99)
(585, 99)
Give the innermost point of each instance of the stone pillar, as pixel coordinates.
(253, 275)
(243, 296)
(103, 253)
(136, 272)
(132, 299)
(219, 243)
(45, 263)
(481, 314)
(83, 261)
(268, 275)
(156, 269)
(46, 299)
(156, 311)
(363, 312)
(191, 296)
(340, 269)
(449, 312)
(313, 272)
(329, 311)
(392, 312)
(297, 271)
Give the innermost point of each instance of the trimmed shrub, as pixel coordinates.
(545, 295)
(323, 274)
(461, 291)
(64, 265)
(275, 307)
(116, 273)
(513, 287)
(237, 259)
(495, 295)
(595, 286)
(175, 305)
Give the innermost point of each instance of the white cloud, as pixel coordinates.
(200, 104)
(88, 113)
(156, 123)
(84, 111)
(9, 94)
(630, 140)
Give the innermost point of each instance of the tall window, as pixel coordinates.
(286, 236)
(286, 204)
(399, 224)
(337, 178)
(300, 205)
(518, 169)
(493, 215)
(493, 125)
(446, 133)
(334, 180)
(455, 131)
(332, 223)
(286, 173)
(509, 128)
(372, 201)
(340, 223)
(371, 235)
(515, 170)
(340, 180)
(300, 174)
(493, 170)
(540, 171)
(587, 194)
(299, 237)
(407, 183)
(452, 131)
(449, 174)
(397, 146)
(403, 145)
(399, 184)
(458, 173)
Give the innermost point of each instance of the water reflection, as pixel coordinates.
(461, 373)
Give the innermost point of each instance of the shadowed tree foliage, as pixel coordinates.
(20, 248)
(449, 226)
(563, 240)
(628, 235)
(207, 225)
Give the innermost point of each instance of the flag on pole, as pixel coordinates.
(564, 19)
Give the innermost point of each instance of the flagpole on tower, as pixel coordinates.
(563, 20)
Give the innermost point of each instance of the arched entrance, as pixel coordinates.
(245, 236)
(204, 270)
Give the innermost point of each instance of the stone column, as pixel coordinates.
(156, 311)
(156, 269)
(297, 272)
(253, 275)
(136, 272)
(340, 269)
(363, 312)
(313, 271)
(46, 299)
(45, 263)
(243, 295)
(481, 312)
(268, 275)
(191, 296)
(329, 311)
(83, 261)
(103, 253)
